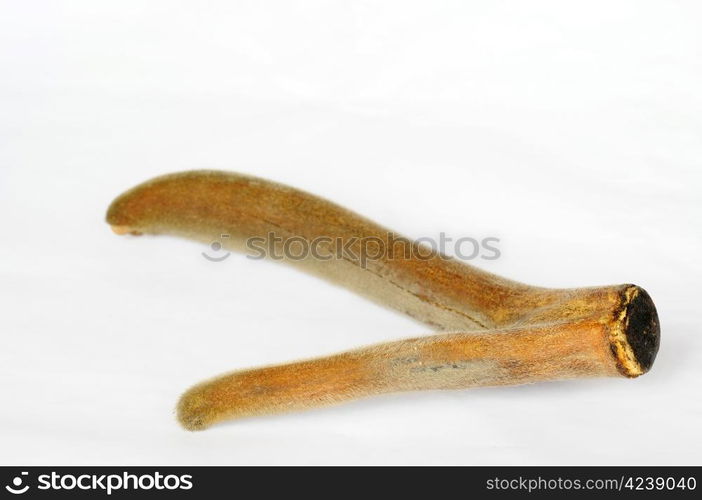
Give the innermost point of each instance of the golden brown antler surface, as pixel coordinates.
(511, 333)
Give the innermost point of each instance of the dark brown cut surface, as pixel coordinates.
(642, 329)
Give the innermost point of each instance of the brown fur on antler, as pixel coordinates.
(511, 333)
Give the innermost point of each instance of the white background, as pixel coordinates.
(570, 130)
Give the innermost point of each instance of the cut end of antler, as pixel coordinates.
(636, 335)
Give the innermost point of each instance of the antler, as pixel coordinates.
(513, 333)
